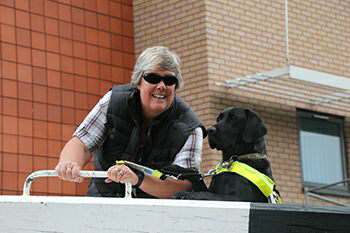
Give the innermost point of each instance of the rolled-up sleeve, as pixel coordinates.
(92, 130)
(190, 155)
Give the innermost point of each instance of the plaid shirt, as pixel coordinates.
(92, 133)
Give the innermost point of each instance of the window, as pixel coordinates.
(321, 149)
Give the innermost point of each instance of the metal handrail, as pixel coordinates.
(312, 193)
(52, 173)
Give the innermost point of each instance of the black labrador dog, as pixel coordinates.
(239, 134)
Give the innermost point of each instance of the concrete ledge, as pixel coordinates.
(34, 214)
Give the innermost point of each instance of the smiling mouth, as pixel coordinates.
(157, 96)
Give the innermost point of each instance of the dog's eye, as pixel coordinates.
(233, 117)
(219, 118)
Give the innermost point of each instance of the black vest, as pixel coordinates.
(154, 147)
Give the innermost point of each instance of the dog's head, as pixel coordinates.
(237, 131)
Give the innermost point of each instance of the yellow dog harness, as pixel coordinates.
(264, 183)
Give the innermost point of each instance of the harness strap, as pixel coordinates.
(264, 183)
(146, 170)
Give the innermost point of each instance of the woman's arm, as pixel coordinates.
(189, 156)
(73, 157)
(151, 185)
(88, 136)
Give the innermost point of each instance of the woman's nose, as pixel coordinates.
(161, 85)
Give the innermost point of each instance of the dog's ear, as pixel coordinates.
(254, 128)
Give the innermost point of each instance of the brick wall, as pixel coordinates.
(221, 40)
(57, 59)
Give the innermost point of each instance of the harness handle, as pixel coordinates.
(52, 173)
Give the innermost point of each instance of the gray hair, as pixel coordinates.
(157, 57)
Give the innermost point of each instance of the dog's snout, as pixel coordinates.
(211, 130)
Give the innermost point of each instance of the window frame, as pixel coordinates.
(337, 191)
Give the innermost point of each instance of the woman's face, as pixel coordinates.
(157, 97)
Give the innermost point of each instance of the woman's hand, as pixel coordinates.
(68, 170)
(121, 174)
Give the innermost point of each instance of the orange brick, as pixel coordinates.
(22, 4)
(39, 111)
(25, 91)
(8, 33)
(40, 149)
(90, 4)
(10, 106)
(53, 61)
(80, 82)
(103, 6)
(54, 148)
(116, 26)
(23, 37)
(39, 93)
(92, 36)
(9, 69)
(90, 19)
(53, 79)
(10, 125)
(93, 70)
(51, 26)
(65, 12)
(24, 55)
(10, 143)
(54, 131)
(37, 6)
(103, 22)
(68, 115)
(79, 33)
(25, 109)
(9, 88)
(24, 73)
(25, 127)
(127, 12)
(65, 29)
(25, 163)
(39, 76)
(79, 66)
(37, 23)
(115, 9)
(22, 19)
(81, 100)
(10, 162)
(66, 47)
(7, 15)
(51, 9)
(9, 181)
(54, 113)
(68, 98)
(77, 16)
(38, 40)
(38, 58)
(40, 129)
(67, 81)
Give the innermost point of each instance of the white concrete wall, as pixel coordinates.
(36, 214)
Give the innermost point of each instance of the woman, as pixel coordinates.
(143, 122)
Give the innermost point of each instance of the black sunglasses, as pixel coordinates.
(152, 78)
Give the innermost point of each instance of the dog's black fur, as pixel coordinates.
(238, 132)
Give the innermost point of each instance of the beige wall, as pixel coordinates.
(221, 40)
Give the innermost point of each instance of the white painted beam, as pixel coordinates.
(317, 77)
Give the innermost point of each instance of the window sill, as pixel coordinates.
(336, 192)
